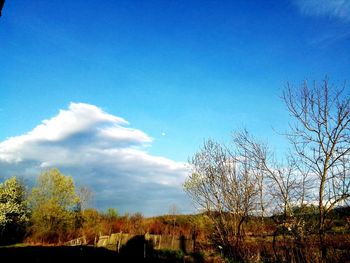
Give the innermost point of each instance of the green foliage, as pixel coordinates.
(14, 212)
(170, 255)
(111, 213)
(53, 202)
(91, 226)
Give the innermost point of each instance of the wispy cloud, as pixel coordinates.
(98, 150)
(333, 8)
(327, 39)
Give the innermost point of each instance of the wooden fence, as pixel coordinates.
(77, 242)
(117, 240)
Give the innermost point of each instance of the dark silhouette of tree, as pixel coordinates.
(2, 2)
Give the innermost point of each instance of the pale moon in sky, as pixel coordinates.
(163, 133)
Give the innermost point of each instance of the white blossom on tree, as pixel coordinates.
(13, 207)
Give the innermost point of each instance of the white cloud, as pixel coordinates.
(333, 8)
(99, 151)
(127, 135)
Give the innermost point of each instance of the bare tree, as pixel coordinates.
(173, 212)
(85, 196)
(320, 137)
(222, 185)
(283, 191)
(229, 185)
(278, 177)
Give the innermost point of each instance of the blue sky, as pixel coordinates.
(175, 72)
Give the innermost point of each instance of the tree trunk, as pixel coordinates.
(321, 230)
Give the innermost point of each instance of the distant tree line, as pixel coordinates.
(55, 211)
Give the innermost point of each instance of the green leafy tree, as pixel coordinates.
(111, 214)
(54, 203)
(14, 212)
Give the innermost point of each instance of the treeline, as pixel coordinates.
(55, 211)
